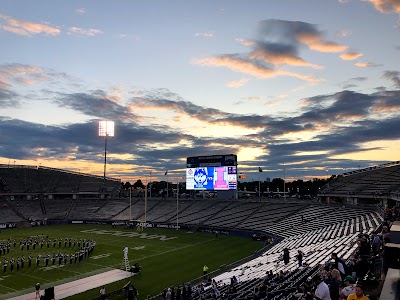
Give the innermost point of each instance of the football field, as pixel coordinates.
(167, 257)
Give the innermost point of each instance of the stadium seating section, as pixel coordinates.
(314, 228)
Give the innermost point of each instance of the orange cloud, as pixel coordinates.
(23, 74)
(350, 55)
(386, 6)
(249, 67)
(276, 58)
(4, 85)
(245, 42)
(315, 42)
(237, 83)
(27, 28)
(253, 98)
(383, 107)
(365, 65)
(273, 103)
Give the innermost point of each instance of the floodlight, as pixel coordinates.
(106, 128)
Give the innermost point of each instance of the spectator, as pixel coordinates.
(300, 258)
(339, 264)
(286, 256)
(348, 289)
(334, 284)
(168, 294)
(376, 243)
(103, 293)
(358, 295)
(205, 270)
(322, 290)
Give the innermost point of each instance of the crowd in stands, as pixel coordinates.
(347, 279)
(336, 279)
(391, 214)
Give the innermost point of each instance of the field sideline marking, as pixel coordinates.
(9, 288)
(34, 277)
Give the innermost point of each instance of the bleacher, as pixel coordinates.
(37, 179)
(372, 182)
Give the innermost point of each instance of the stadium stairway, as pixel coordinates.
(14, 209)
(248, 215)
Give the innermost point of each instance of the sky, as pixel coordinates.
(303, 89)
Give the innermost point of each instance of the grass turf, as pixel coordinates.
(167, 257)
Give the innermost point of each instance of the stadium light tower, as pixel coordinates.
(106, 129)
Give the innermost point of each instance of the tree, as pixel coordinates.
(138, 184)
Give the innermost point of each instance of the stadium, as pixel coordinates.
(250, 246)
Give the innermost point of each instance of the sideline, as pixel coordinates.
(82, 285)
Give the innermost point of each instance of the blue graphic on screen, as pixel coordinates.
(204, 178)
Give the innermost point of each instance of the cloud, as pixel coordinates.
(350, 55)
(296, 32)
(86, 32)
(204, 34)
(389, 101)
(256, 98)
(258, 70)
(386, 6)
(95, 104)
(278, 55)
(245, 42)
(8, 99)
(26, 28)
(366, 65)
(343, 33)
(340, 123)
(277, 46)
(273, 103)
(21, 74)
(333, 124)
(80, 11)
(195, 111)
(393, 76)
(315, 42)
(237, 83)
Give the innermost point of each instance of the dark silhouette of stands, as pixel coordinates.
(44, 180)
(377, 183)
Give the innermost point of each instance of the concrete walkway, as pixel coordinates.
(82, 285)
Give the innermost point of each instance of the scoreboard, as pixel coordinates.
(216, 172)
(211, 161)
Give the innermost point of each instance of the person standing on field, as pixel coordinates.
(37, 290)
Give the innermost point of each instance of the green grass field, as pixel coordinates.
(167, 257)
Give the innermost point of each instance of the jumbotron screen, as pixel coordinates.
(211, 178)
